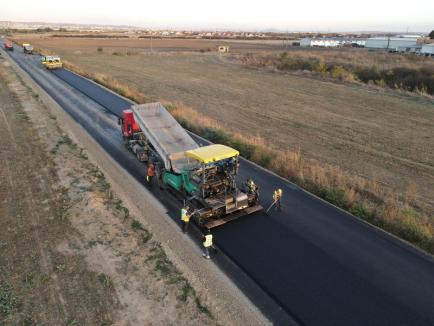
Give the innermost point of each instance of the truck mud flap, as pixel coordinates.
(234, 216)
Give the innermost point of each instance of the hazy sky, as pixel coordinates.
(314, 15)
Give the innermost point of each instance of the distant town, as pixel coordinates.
(416, 43)
(217, 34)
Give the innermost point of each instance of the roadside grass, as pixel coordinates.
(121, 88)
(136, 225)
(63, 204)
(167, 270)
(9, 303)
(105, 280)
(173, 276)
(366, 199)
(64, 140)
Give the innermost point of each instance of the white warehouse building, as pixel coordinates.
(390, 42)
(320, 42)
(427, 49)
(331, 42)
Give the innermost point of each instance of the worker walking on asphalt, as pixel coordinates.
(207, 243)
(150, 174)
(185, 217)
(277, 199)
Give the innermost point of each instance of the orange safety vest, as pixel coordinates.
(151, 171)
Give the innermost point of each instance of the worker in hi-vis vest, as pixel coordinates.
(277, 199)
(207, 243)
(252, 188)
(185, 217)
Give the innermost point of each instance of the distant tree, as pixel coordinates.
(431, 35)
(44, 30)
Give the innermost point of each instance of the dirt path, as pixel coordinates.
(71, 253)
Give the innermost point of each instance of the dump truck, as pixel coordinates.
(27, 48)
(51, 62)
(203, 177)
(9, 46)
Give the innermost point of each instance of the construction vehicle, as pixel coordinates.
(203, 177)
(51, 62)
(133, 136)
(9, 46)
(27, 48)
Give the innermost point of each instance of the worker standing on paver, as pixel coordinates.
(251, 187)
(185, 218)
(277, 199)
(207, 243)
(150, 174)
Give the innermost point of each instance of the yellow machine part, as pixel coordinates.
(53, 65)
(52, 62)
(212, 153)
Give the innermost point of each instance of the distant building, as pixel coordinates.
(223, 49)
(320, 42)
(331, 42)
(427, 50)
(410, 36)
(358, 42)
(390, 43)
(410, 49)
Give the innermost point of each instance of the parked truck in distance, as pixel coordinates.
(51, 62)
(27, 48)
(9, 46)
(204, 177)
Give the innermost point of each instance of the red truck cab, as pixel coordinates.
(128, 124)
(9, 46)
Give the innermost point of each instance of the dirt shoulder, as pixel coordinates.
(75, 248)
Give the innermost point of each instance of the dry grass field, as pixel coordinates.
(132, 45)
(382, 135)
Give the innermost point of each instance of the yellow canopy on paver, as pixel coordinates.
(212, 153)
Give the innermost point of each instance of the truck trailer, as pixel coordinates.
(204, 177)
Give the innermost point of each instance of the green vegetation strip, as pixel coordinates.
(412, 79)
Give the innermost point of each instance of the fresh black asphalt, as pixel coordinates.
(321, 265)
